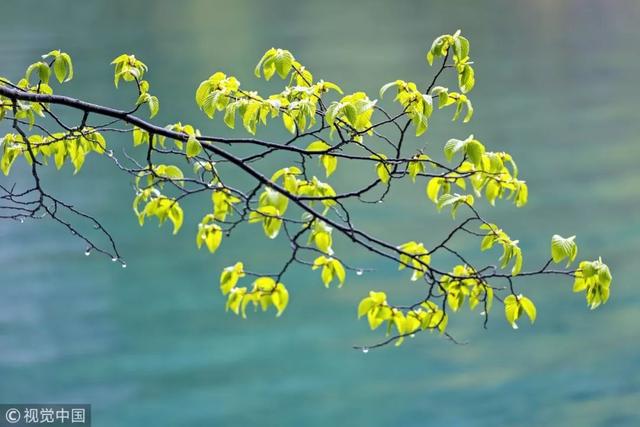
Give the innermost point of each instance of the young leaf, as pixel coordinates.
(562, 248)
(193, 147)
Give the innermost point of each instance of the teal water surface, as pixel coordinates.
(152, 345)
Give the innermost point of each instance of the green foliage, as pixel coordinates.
(209, 233)
(62, 65)
(272, 205)
(72, 146)
(331, 269)
(383, 170)
(454, 201)
(515, 305)
(463, 283)
(275, 60)
(193, 147)
(461, 101)
(352, 112)
(329, 162)
(322, 237)
(593, 277)
(160, 206)
(378, 311)
(441, 48)
(230, 276)
(415, 255)
(470, 147)
(42, 69)
(128, 68)
(562, 248)
(297, 104)
(265, 292)
(223, 202)
(510, 249)
(417, 105)
(417, 166)
(335, 129)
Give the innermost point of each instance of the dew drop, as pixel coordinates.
(365, 350)
(87, 252)
(379, 201)
(484, 313)
(359, 272)
(114, 259)
(21, 221)
(124, 265)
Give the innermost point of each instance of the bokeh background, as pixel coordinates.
(557, 86)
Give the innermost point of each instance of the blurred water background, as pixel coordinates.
(557, 86)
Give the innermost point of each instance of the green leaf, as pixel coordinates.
(382, 168)
(68, 65)
(154, 106)
(268, 56)
(386, 87)
(433, 189)
(416, 166)
(318, 146)
(452, 147)
(383, 172)
(517, 265)
(176, 216)
(283, 62)
(59, 69)
(528, 307)
(230, 116)
(229, 277)
(140, 136)
(62, 66)
(512, 310)
(42, 69)
(472, 148)
(364, 306)
(338, 268)
(193, 147)
(469, 114)
(329, 162)
(562, 248)
(280, 298)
